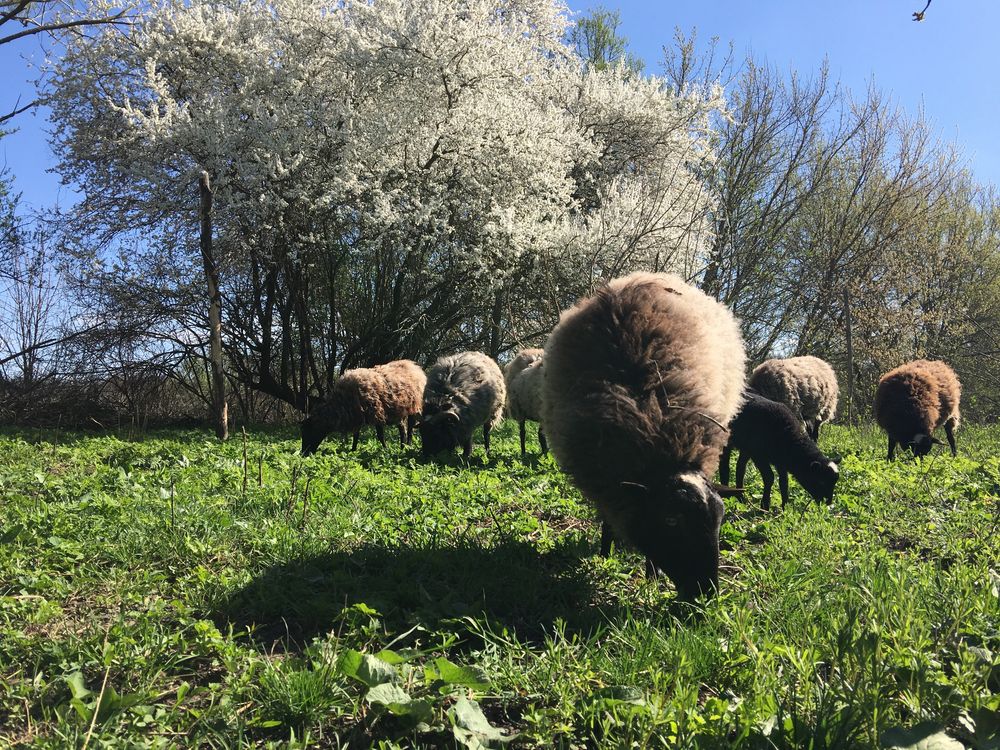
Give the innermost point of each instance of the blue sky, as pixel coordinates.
(949, 64)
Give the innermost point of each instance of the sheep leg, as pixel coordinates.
(815, 431)
(402, 434)
(768, 476)
(949, 431)
(541, 439)
(411, 422)
(523, 431)
(486, 437)
(467, 448)
(783, 486)
(606, 539)
(354, 444)
(741, 469)
(892, 449)
(380, 434)
(724, 465)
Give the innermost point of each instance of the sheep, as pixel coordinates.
(806, 385)
(523, 377)
(913, 400)
(382, 395)
(524, 358)
(769, 434)
(463, 391)
(641, 380)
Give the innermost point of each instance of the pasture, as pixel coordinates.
(168, 591)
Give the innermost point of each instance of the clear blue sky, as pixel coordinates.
(949, 64)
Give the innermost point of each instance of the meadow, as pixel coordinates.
(166, 591)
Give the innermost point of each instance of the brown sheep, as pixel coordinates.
(641, 380)
(915, 399)
(382, 395)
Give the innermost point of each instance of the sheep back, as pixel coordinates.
(524, 358)
(806, 385)
(916, 398)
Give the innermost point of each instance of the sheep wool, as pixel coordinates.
(463, 391)
(389, 394)
(640, 382)
(524, 358)
(806, 385)
(915, 399)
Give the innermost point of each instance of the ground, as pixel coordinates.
(166, 591)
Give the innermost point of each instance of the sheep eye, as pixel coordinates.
(671, 520)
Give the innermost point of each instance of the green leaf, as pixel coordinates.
(366, 668)
(924, 736)
(77, 686)
(471, 728)
(452, 674)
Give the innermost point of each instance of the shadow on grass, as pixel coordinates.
(512, 584)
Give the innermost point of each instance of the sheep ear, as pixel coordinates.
(724, 491)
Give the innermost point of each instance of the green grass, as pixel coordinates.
(148, 599)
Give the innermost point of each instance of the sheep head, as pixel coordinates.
(439, 432)
(676, 525)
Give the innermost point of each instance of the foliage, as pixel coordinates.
(173, 588)
(391, 179)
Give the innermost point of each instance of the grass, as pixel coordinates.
(171, 592)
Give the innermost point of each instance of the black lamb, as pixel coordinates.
(769, 434)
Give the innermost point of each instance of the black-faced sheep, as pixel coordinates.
(524, 392)
(640, 381)
(463, 391)
(378, 396)
(806, 385)
(915, 399)
(769, 434)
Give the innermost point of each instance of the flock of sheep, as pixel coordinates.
(641, 392)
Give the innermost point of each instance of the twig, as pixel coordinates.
(100, 695)
(244, 463)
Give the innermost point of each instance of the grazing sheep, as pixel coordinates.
(915, 399)
(806, 385)
(524, 392)
(382, 395)
(463, 391)
(769, 434)
(640, 381)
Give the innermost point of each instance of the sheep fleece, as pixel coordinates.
(917, 397)
(636, 379)
(524, 392)
(470, 384)
(806, 385)
(382, 395)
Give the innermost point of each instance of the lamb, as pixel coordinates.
(640, 381)
(523, 377)
(463, 391)
(769, 434)
(382, 395)
(806, 385)
(913, 400)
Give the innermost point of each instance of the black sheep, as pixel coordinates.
(769, 434)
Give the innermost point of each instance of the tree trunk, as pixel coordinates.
(219, 409)
(850, 360)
